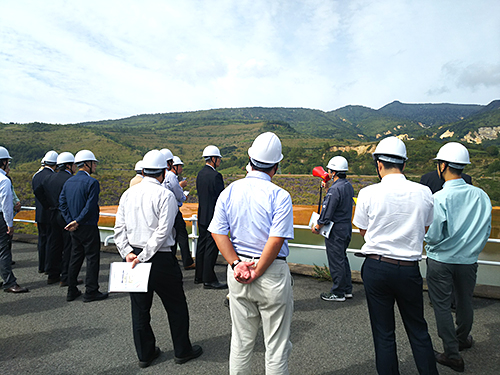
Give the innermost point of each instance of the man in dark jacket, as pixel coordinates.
(209, 185)
(42, 213)
(79, 206)
(59, 249)
(337, 208)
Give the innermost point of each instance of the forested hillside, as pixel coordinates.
(310, 138)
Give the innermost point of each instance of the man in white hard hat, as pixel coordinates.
(42, 213)
(260, 288)
(209, 184)
(337, 208)
(144, 233)
(79, 205)
(138, 174)
(458, 233)
(9, 284)
(59, 250)
(181, 234)
(393, 217)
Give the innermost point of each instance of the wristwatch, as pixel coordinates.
(235, 263)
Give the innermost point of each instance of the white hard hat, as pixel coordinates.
(388, 147)
(211, 151)
(338, 164)
(50, 158)
(455, 154)
(177, 161)
(4, 154)
(154, 161)
(138, 166)
(65, 157)
(265, 150)
(84, 155)
(167, 153)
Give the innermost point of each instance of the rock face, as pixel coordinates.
(481, 134)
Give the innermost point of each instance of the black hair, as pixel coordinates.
(389, 165)
(154, 175)
(3, 163)
(265, 170)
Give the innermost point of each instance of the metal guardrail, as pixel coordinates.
(194, 237)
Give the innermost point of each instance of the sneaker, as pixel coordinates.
(332, 297)
(348, 295)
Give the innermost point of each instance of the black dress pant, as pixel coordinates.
(43, 236)
(59, 249)
(181, 238)
(85, 244)
(206, 257)
(166, 280)
(386, 284)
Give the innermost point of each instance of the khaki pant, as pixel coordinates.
(267, 300)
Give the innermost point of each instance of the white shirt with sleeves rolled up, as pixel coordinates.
(145, 219)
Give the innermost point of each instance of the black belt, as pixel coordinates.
(251, 256)
(381, 258)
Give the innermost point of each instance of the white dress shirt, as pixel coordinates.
(145, 219)
(6, 206)
(172, 183)
(394, 214)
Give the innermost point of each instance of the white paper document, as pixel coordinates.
(124, 278)
(325, 229)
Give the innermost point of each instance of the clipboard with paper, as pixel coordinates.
(325, 229)
(124, 278)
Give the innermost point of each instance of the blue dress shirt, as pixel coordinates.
(254, 209)
(461, 225)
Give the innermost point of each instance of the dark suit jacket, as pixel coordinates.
(79, 199)
(209, 184)
(53, 186)
(42, 214)
(434, 183)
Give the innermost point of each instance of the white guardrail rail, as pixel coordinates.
(194, 236)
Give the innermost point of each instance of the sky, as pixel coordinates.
(65, 61)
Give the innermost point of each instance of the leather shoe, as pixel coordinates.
(144, 364)
(71, 296)
(455, 364)
(214, 285)
(65, 283)
(196, 281)
(191, 267)
(97, 296)
(16, 289)
(195, 353)
(467, 344)
(53, 281)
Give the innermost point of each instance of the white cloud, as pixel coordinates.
(77, 61)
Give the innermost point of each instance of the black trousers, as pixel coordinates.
(59, 249)
(206, 257)
(166, 280)
(386, 284)
(338, 263)
(85, 244)
(182, 239)
(43, 236)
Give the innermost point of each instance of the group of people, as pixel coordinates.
(250, 223)
(394, 217)
(67, 213)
